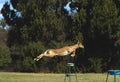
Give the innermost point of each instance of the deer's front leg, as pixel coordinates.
(73, 53)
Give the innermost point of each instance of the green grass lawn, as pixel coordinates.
(41, 77)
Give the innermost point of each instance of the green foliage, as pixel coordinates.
(95, 65)
(2, 24)
(28, 65)
(46, 24)
(5, 58)
(61, 67)
(22, 56)
(33, 49)
(102, 23)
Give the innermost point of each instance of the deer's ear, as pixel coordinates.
(78, 41)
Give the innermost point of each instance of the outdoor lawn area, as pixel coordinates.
(50, 77)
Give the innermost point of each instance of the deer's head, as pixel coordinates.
(80, 44)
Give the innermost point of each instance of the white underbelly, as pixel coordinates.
(63, 53)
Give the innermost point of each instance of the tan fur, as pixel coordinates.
(61, 51)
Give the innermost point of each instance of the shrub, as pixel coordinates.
(28, 65)
(5, 58)
(95, 64)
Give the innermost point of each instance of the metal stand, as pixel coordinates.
(113, 72)
(70, 72)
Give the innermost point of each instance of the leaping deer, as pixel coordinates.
(61, 51)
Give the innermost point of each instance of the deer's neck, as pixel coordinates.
(75, 46)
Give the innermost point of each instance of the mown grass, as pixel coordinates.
(41, 77)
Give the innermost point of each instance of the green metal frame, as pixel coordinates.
(70, 72)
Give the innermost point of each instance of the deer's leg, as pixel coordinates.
(73, 54)
(39, 57)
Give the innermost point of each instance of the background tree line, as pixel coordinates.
(37, 25)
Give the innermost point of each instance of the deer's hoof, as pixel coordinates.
(36, 59)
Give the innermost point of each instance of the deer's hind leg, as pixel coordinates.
(39, 57)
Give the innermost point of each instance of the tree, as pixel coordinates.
(43, 21)
(2, 23)
(99, 31)
(98, 20)
(5, 59)
(48, 25)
